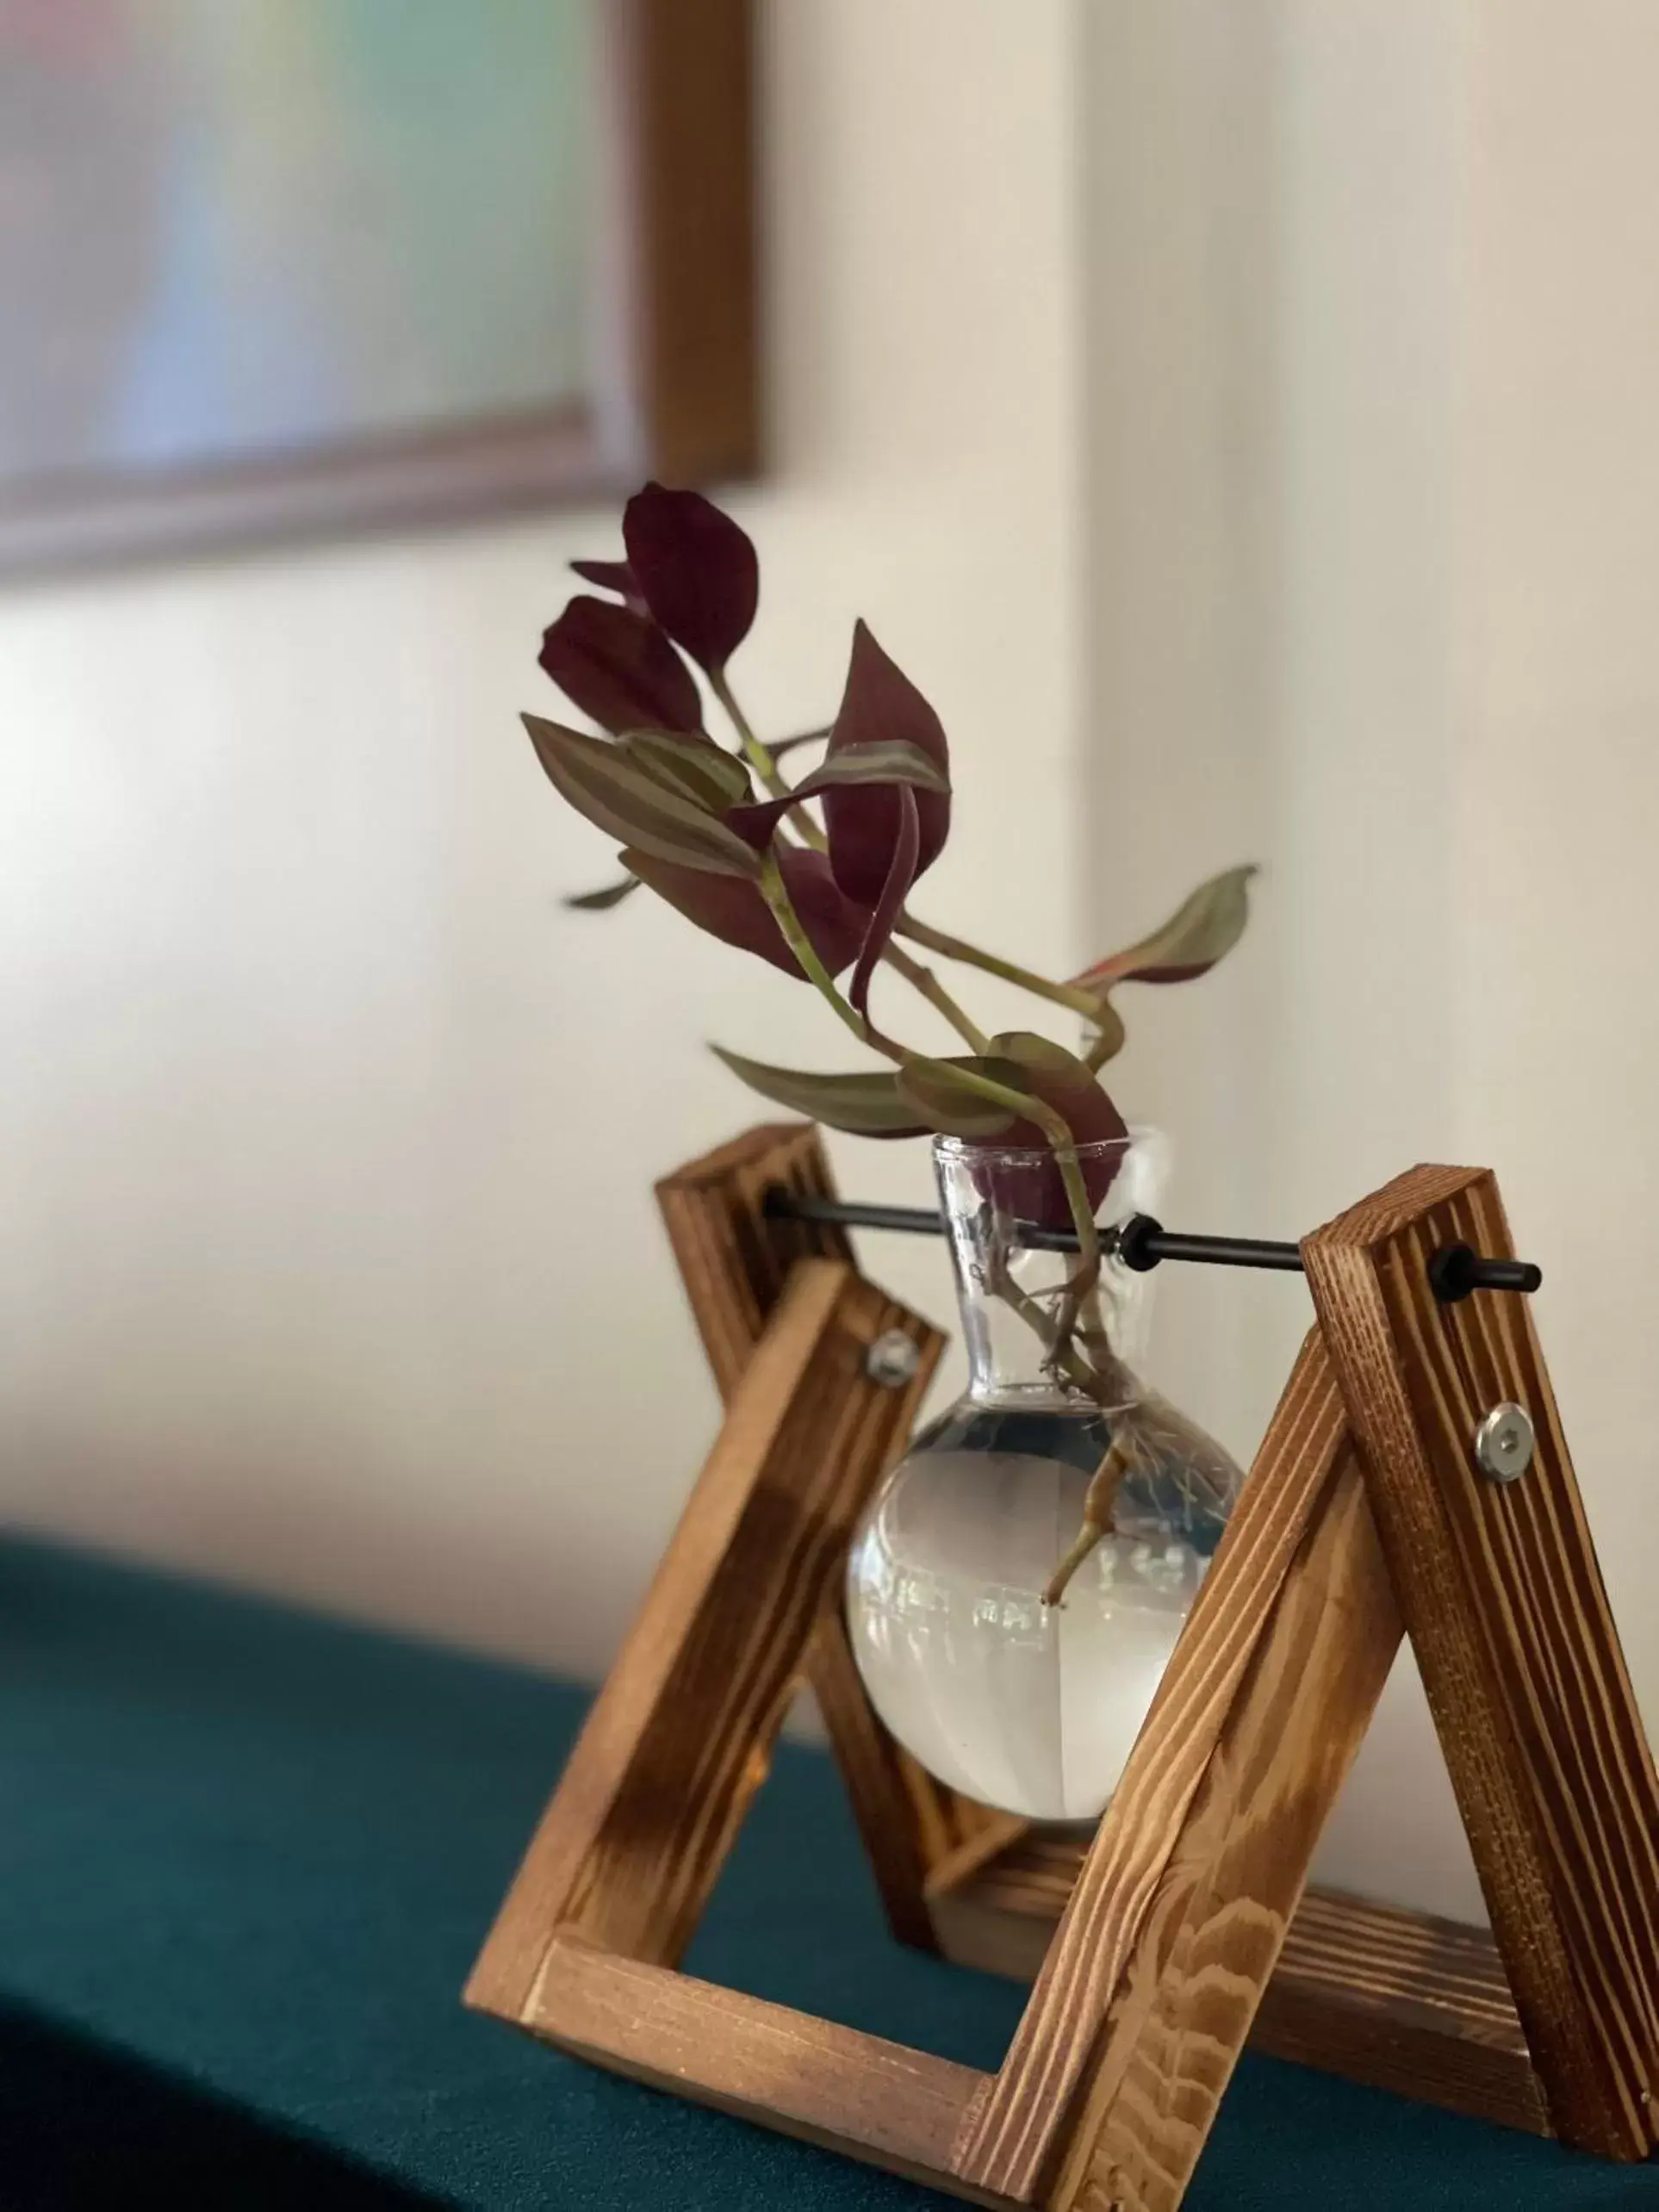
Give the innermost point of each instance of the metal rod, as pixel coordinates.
(1141, 1243)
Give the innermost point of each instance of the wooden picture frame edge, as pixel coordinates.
(683, 401)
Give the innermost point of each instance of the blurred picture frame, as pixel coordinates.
(302, 268)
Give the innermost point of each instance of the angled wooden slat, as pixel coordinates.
(734, 1260)
(1211, 1936)
(1016, 2140)
(906, 1821)
(1401, 2000)
(1504, 1601)
(1406, 2002)
(680, 1736)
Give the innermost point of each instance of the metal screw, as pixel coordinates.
(891, 1359)
(1503, 1443)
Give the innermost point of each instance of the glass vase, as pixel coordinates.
(1026, 1704)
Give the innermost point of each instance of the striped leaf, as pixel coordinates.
(626, 800)
(1200, 932)
(868, 1104)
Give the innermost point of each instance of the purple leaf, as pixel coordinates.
(732, 909)
(695, 766)
(696, 568)
(1026, 1061)
(868, 1104)
(950, 1107)
(613, 577)
(619, 794)
(1204, 929)
(884, 762)
(880, 705)
(901, 875)
(618, 667)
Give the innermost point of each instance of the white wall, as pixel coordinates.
(1375, 535)
(1290, 471)
(326, 1141)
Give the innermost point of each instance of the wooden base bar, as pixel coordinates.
(1400, 2000)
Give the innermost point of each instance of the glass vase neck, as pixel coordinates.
(1029, 1344)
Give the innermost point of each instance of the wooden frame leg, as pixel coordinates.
(1149, 1990)
(1364, 1509)
(1505, 1605)
(1268, 1689)
(733, 1261)
(680, 1736)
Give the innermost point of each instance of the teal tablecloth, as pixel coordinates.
(246, 1857)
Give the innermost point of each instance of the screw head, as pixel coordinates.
(1503, 1443)
(891, 1360)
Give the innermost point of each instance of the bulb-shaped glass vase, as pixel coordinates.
(1022, 1703)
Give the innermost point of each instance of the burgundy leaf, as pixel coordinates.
(613, 577)
(1203, 929)
(696, 568)
(1028, 1062)
(618, 668)
(732, 909)
(623, 795)
(880, 704)
(951, 1109)
(888, 761)
(694, 765)
(866, 1104)
(757, 824)
(901, 875)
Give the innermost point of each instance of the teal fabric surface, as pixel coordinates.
(247, 1856)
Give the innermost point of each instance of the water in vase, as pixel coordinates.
(1028, 1706)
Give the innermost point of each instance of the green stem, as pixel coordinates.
(1071, 1362)
(1088, 1272)
(761, 760)
(765, 767)
(1024, 1105)
(924, 980)
(772, 890)
(1019, 1103)
(956, 949)
(922, 933)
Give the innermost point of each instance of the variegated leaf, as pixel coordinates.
(1201, 931)
(623, 798)
(866, 1104)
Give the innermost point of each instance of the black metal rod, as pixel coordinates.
(1141, 1243)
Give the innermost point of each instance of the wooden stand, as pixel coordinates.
(1182, 1929)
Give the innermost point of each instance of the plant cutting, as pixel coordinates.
(807, 853)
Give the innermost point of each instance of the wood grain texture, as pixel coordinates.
(680, 1736)
(1161, 1825)
(1404, 2002)
(1210, 1940)
(1187, 1903)
(689, 129)
(855, 2093)
(1504, 1601)
(1400, 2000)
(734, 1260)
